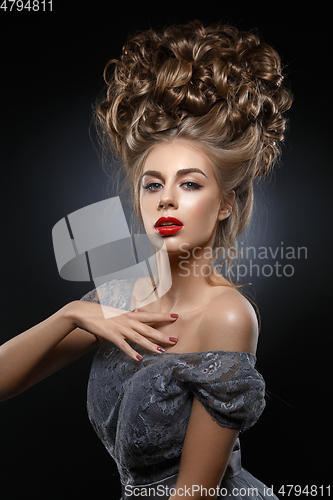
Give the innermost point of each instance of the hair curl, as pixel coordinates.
(217, 86)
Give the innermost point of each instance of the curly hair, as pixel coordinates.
(217, 86)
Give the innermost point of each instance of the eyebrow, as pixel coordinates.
(183, 171)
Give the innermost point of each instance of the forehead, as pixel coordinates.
(170, 156)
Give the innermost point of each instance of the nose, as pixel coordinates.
(167, 199)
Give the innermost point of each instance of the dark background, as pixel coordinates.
(51, 73)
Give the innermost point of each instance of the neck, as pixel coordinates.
(186, 277)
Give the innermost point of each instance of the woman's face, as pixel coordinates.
(178, 181)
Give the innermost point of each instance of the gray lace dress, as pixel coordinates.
(140, 411)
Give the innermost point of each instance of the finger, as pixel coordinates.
(127, 349)
(147, 344)
(152, 334)
(138, 333)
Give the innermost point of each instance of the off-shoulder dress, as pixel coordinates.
(140, 411)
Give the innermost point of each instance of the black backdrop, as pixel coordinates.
(51, 72)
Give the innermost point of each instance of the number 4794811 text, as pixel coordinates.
(26, 5)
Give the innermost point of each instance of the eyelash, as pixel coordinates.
(196, 186)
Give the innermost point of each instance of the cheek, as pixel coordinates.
(205, 210)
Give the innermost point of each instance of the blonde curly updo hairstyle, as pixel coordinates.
(217, 86)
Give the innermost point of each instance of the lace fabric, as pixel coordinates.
(132, 406)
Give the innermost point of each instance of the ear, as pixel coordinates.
(226, 205)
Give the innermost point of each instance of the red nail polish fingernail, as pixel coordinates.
(139, 357)
(174, 315)
(173, 339)
(161, 349)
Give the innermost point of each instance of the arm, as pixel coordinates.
(40, 351)
(208, 445)
(68, 334)
(205, 456)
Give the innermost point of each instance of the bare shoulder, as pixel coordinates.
(231, 322)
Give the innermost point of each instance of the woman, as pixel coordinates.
(196, 114)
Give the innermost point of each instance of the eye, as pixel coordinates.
(194, 185)
(191, 186)
(149, 187)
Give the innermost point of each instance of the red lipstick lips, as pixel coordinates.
(168, 225)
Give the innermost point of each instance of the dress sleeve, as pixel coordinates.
(115, 293)
(228, 386)
(103, 294)
(91, 296)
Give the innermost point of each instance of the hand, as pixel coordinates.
(120, 326)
